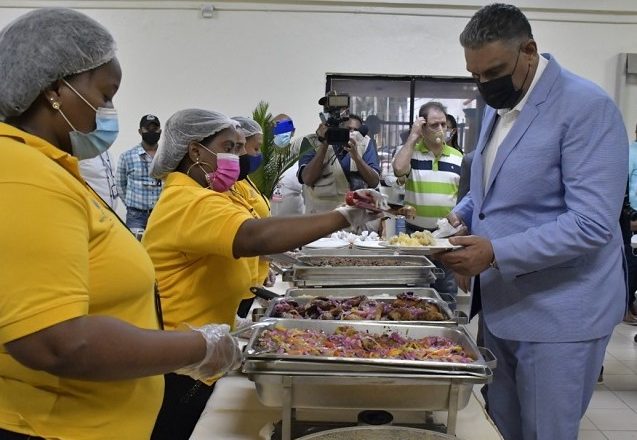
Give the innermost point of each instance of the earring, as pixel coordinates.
(55, 104)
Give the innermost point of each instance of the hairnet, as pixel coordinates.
(249, 127)
(43, 46)
(182, 128)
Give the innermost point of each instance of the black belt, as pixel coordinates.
(9, 435)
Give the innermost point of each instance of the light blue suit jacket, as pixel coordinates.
(551, 210)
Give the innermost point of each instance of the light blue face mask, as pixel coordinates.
(89, 145)
(282, 140)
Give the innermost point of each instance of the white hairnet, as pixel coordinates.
(43, 46)
(249, 127)
(182, 128)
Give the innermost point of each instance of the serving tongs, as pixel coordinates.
(287, 259)
(264, 293)
(247, 328)
(354, 199)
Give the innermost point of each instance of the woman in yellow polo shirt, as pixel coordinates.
(199, 232)
(80, 350)
(249, 163)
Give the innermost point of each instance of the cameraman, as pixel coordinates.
(327, 172)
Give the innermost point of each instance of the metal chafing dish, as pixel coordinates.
(368, 270)
(372, 291)
(389, 292)
(329, 382)
(377, 433)
(450, 319)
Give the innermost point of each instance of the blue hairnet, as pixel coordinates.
(43, 46)
(181, 129)
(249, 127)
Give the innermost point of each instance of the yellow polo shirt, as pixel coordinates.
(189, 237)
(65, 255)
(261, 206)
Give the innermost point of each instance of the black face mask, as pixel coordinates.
(151, 137)
(248, 164)
(500, 92)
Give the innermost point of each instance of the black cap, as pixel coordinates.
(149, 119)
(323, 100)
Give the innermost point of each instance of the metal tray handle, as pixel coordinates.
(460, 317)
(489, 357)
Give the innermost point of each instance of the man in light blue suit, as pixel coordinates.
(547, 184)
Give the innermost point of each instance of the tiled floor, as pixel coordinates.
(612, 413)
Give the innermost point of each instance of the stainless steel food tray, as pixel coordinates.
(371, 291)
(381, 292)
(323, 382)
(392, 270)
(450, 318)
(294, 363)
(377, 433)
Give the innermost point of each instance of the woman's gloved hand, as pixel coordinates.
(357, 217)
(222, 353)
(366, 198)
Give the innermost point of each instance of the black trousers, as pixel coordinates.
(8, 435)
(184, 400)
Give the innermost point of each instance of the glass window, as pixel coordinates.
(389, 104)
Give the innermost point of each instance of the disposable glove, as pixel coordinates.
(366, 198)
(222, 353)
(357, 217)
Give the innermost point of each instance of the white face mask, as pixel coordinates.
(282, 140)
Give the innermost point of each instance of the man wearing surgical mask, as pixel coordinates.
(136, 188)
(287, 197)
(432, 172)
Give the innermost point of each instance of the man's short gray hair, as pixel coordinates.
(495, 22)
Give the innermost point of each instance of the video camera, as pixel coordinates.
(335, 111)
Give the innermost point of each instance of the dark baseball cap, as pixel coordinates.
(149, 119)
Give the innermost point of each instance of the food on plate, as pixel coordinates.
(349, 343)
(353, 238)
(406, 307)
(418, 238)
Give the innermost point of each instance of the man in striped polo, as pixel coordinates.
(432, 170)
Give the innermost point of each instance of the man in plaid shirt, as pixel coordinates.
(136, 187)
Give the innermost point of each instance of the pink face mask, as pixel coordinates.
(226, 174)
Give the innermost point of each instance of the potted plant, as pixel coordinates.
(276, 160)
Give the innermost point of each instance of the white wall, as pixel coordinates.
(172, 58)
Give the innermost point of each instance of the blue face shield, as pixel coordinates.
(89, 145)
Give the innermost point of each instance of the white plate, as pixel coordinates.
(368, 244)
(327, 243)
(442, 244)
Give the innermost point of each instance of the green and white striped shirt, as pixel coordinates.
(432, 184)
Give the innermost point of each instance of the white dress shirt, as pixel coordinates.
(506, 119)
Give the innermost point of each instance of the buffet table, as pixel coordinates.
(234, 413)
